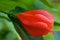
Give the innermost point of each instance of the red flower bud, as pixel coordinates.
(36, 22)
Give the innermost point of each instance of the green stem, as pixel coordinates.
(18, 28)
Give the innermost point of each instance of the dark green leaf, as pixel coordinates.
(17, 10)
(56, 24)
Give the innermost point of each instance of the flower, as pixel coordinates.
(36, 22)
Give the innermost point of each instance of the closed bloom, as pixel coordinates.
(36, 22)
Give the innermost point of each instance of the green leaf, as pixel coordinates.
(46, 2)
(4, 16)
(40, 5)
(49, 36)
(56, 26)
(17, 10)
(7, 5)
(57, 17)
(7, 31)
(56, 13)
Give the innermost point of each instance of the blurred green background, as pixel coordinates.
(7, 30)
